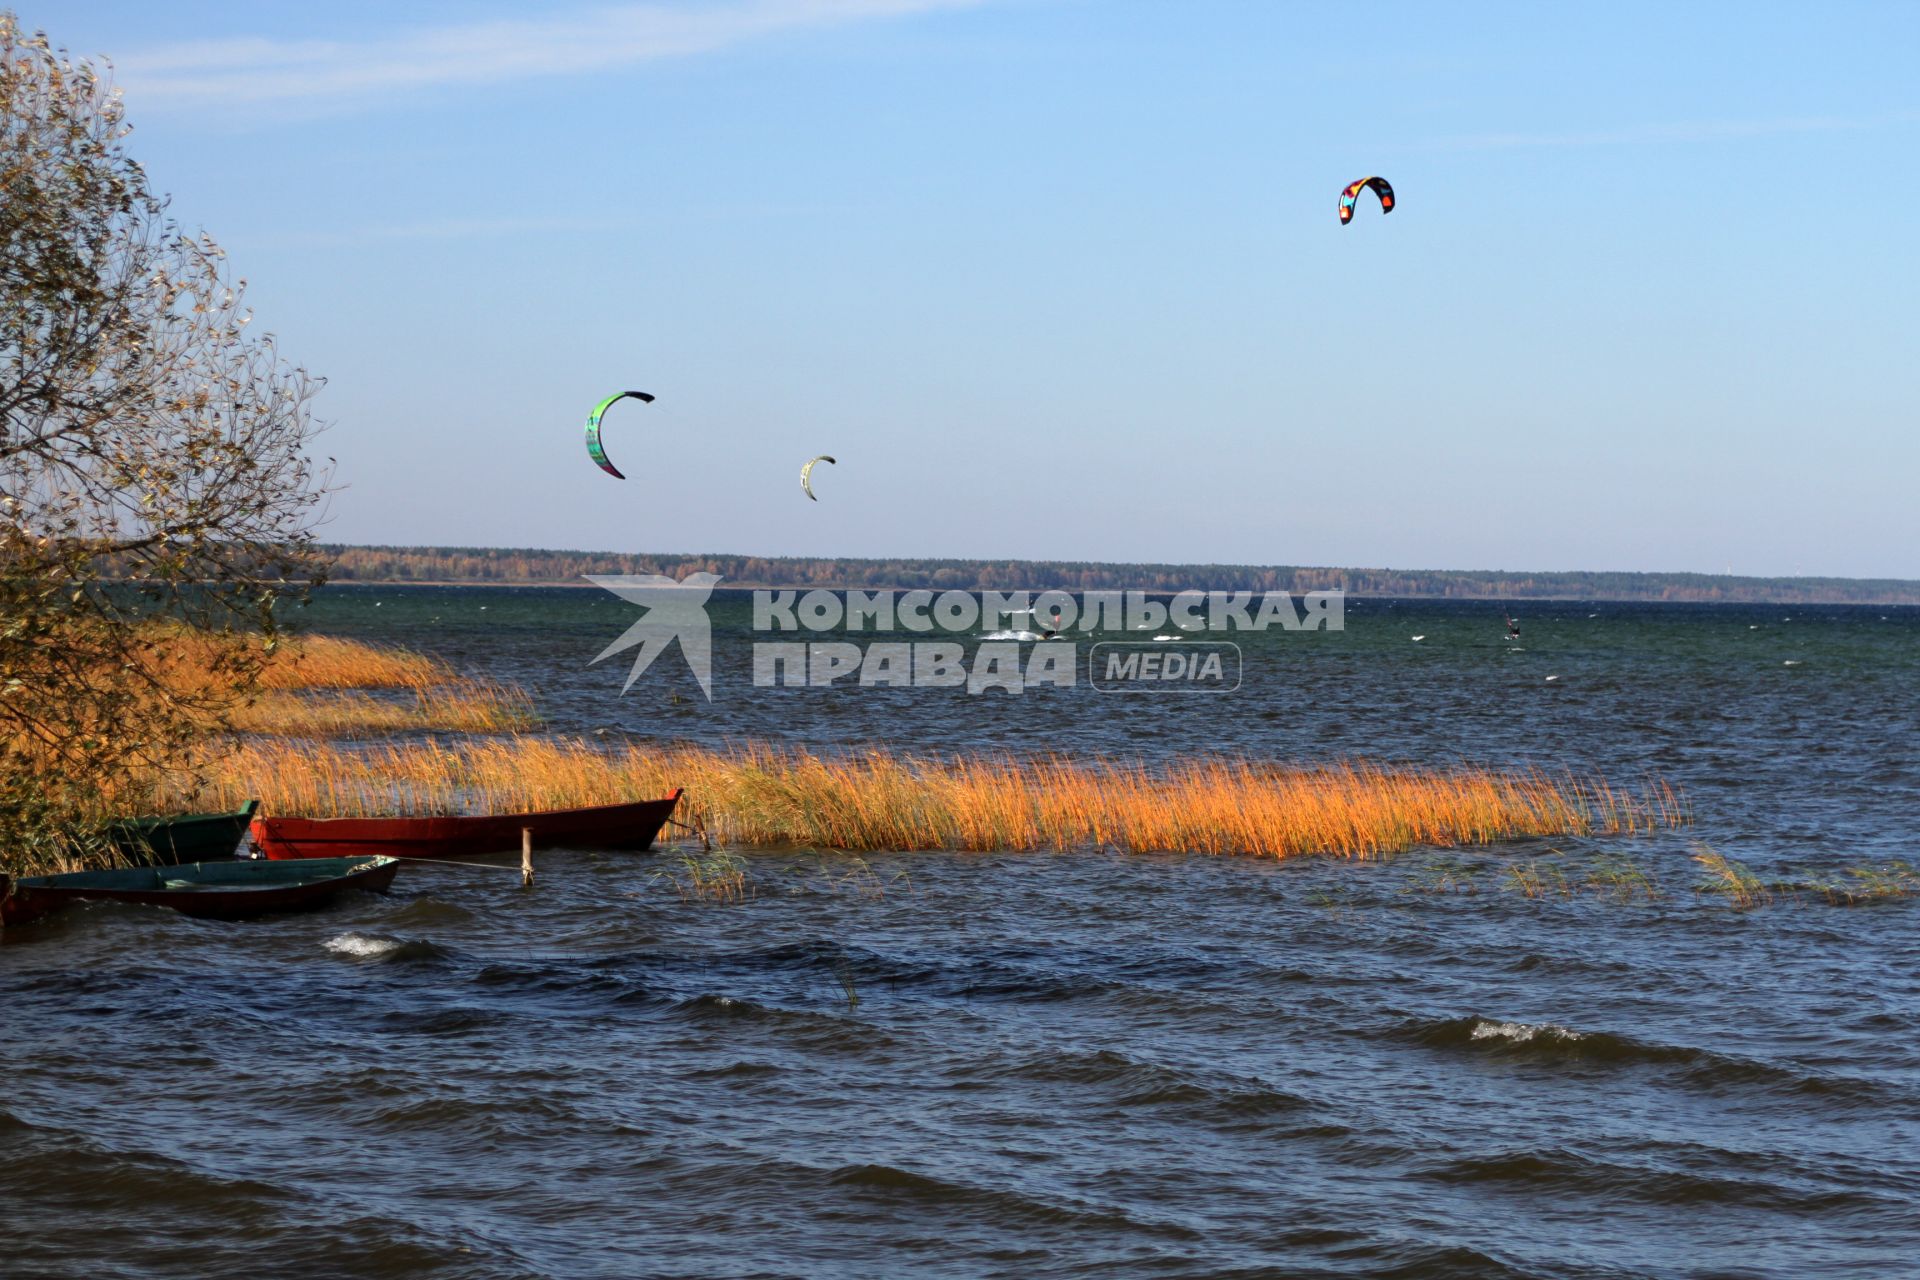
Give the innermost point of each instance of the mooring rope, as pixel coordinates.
(448, 862)
(698, 828)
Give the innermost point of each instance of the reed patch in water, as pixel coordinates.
(182, 657)
(1570, 875)
(333, 662)
(762, 795)
(717, 877)
(1447, 874)
(1539, 878)
(1725, 876)
(844, 972)
(460, 705)
(317, 686)
(1870, 884)
(1622, 876)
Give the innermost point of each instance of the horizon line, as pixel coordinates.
(1005, 561)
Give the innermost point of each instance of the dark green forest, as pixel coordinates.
(512, 565)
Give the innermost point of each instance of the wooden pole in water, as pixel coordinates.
(526, 857)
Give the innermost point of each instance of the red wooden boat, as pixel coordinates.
(607, 826)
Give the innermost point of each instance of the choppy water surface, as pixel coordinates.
(1086, 1064)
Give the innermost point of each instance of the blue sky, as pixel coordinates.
(1063, 278)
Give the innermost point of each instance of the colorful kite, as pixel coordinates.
(1352, 193)
(593, 429)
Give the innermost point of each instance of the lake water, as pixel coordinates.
(925, 1064)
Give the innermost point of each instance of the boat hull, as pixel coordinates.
(209, 890)
(192, 837)
(15, 908)
(614, 826)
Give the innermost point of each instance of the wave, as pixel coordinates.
(1546, 1040)
(571, 981)
(449, 1020)
(1181, 1094)
(477, 1116)
(1524, 1032)
(1560, 1170)
(740, 1069)
(1708, 1069)
(821, 1029)
(1007, 973)
(380, 947)
(47, 1160)
(814, 960)
(430, 911)
(999, 1205)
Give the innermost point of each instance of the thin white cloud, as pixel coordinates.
(1688, 131)
(256, 70)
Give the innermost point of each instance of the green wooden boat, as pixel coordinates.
(179, 838)
(231, 890)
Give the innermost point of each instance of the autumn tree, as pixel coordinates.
(156, 489)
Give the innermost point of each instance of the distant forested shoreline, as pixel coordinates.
(513, 565)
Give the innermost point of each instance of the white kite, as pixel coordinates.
(806, 474)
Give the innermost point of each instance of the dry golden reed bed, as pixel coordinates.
(329, 662)
(469, 706)
(757, 794)
(310, 687)
(183, 658)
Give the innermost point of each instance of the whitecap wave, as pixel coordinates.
(1522, 1032)
(1013, 635)
(363, 946)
